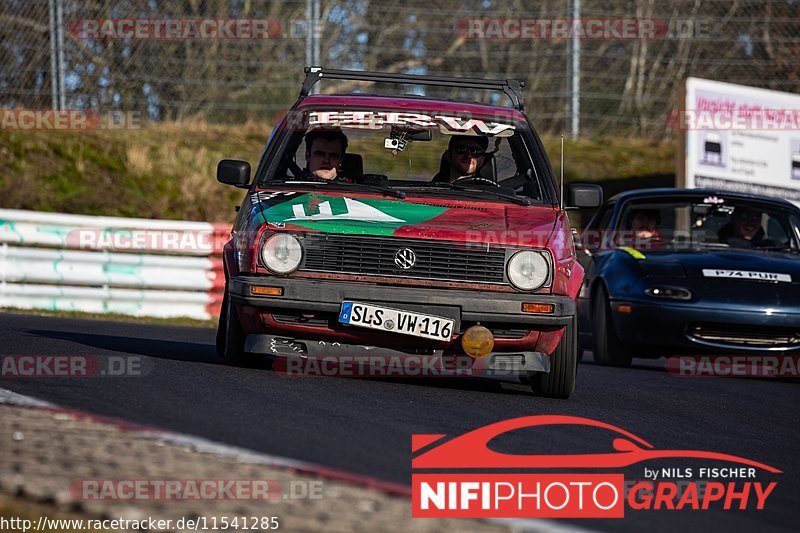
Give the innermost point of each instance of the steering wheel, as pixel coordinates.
(477, 179)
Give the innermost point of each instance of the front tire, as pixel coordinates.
(609, 350)
(560, 381)
(231, 337)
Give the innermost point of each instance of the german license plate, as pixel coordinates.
(396, 321)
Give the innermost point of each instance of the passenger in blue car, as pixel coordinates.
(645, 226)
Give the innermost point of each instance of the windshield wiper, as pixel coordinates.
(785, 248)
(452, 186)
(385, 190)
(751, 247)
(713, 245)
(363, 186)
(304, 179)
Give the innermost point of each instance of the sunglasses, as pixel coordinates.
(474, 152)
(748, 216)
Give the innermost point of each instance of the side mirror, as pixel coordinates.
(584, 195)
(233, 172)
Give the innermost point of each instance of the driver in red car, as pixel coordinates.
(325, 151)
(463, 158)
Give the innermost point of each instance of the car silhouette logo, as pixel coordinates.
(405, 258)
(470, 450)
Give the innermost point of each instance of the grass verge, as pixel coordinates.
(166, 170)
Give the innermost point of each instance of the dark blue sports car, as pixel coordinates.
(690, 271)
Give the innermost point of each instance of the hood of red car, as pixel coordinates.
(412, 217)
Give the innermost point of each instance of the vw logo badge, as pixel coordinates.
(405, 258)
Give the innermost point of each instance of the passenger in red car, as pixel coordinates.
(464, 157)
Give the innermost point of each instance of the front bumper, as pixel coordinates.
(472, 306)
(314, 357)
(682, 328)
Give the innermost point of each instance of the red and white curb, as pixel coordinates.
(202, 445)
(243, 455)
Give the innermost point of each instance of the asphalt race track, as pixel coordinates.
(365, 425)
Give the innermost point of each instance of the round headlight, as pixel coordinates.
(282, 253)
(527, 270)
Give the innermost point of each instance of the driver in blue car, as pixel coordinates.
(744, 229)
(464, 156)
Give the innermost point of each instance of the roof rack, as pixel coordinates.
(512, 88)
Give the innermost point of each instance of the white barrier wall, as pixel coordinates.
(139, 267)
(57, 230)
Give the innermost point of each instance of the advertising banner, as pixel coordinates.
(740, 138)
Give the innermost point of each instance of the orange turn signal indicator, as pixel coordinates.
(541, 309)
(266, 291)
(624, 308)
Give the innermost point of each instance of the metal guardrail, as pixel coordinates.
(140, 267)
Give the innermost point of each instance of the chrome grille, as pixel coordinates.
(375, 256)
(743, 336)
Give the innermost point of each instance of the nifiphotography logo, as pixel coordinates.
(465, 478)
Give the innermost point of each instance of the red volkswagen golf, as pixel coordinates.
(405, 227)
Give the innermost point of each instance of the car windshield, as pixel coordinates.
(707, 222)
(404, 153)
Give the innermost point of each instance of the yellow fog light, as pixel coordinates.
(477, 341)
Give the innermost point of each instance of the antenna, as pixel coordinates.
(562, 172)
